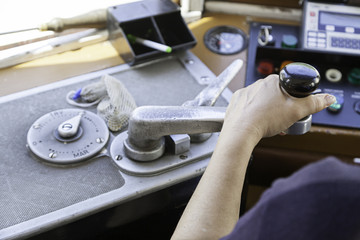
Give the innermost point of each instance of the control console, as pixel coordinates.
(331, 27)
(271, 47)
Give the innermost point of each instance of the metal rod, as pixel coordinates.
(93, 19)
(19, 30)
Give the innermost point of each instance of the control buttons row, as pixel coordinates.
(316, 34)
(339, 103)
(316, 39)
(334, 75)
(347, 29)
(345, 43)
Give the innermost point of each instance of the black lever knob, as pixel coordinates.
(299, 79)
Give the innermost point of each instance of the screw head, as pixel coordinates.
(52, 155)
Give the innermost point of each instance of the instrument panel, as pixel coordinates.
(340, 72)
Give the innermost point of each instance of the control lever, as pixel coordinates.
(299, 80)
(148, 125)
(209, 95)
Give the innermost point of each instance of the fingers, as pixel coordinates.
(318, 102)
(266, 108)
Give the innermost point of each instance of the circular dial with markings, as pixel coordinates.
(67, 136)
(225, 40)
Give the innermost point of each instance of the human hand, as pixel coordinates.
(263, 109)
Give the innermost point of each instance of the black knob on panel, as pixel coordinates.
(299, 79)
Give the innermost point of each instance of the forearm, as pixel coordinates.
(260, 110)
(213, 209)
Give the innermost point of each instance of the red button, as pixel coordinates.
(265, 67)
(312, 14)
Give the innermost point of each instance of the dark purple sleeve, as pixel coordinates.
(320, 201)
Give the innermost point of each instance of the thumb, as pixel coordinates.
(321, 101)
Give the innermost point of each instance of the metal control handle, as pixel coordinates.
(148, 125)
(299, 80)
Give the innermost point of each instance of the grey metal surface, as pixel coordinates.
(149, 125)
(36, 197)
(167, 163)
(30, 188)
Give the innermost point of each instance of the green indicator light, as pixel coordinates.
(335, 105)
(338, 105)
(354, 76)
(289, 41)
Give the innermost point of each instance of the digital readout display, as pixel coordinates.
(338, 19)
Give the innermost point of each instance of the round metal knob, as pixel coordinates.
(299, 79)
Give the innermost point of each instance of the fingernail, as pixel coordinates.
(330, 99)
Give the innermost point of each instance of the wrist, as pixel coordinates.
(242, 134)
(238, 142)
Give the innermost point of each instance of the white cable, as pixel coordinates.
(263, 32)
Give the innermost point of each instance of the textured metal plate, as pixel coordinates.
(36, 197)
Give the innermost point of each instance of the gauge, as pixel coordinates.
(67, 136)
(225, 40)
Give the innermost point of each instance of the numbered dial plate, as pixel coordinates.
(45, 141)
(225, 40)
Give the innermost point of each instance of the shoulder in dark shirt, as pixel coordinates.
(320, 201)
